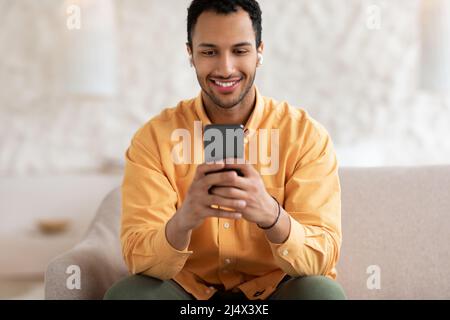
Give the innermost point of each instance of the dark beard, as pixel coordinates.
(233, 103)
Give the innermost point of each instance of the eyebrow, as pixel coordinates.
(210, 45)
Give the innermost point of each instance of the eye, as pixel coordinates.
(241, 51)
(208, 53)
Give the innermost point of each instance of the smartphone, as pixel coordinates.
(221, 141)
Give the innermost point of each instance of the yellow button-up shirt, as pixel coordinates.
(227, 253)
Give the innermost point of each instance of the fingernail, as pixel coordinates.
(238, 216)
(242, 203)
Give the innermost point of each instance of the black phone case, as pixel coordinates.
(238, 150)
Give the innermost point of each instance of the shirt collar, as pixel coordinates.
(252, 123)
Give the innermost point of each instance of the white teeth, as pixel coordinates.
(225, 84)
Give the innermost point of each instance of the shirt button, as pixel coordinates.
(285, 252)
(226, 225)
(227, 261)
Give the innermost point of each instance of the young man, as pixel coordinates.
(274, 233)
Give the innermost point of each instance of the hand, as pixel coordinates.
(197, 204)
(260, 207)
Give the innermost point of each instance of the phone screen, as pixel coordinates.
(222, 141)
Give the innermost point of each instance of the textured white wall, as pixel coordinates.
(320, 55)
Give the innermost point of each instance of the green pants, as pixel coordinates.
(141, 287)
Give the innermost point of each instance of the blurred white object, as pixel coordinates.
(91, 50)
(435, 68)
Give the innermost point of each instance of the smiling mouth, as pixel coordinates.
(226, 86)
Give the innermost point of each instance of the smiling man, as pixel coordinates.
(190, 231)
(223, 49)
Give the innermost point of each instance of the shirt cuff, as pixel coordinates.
(172, 257)
(289, 250)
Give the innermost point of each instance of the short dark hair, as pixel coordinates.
(225, 7)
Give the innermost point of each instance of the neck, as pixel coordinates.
(239, 114)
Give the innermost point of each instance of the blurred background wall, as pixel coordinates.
(354, 65)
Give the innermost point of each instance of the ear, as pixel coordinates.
(260, 49)
(189, 51)
(259, 52)
(188, 48)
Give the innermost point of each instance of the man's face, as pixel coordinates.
(225, 56)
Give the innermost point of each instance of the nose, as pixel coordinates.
(225, 66)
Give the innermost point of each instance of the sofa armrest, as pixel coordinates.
(84, 272)
(95, 263)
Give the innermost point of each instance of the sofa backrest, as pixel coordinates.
(396, 224)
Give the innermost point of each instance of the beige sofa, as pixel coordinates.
(396, 239)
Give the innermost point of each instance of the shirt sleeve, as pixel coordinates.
(313, 201)
(148, 202)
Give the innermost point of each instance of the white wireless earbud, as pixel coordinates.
(260, 59)
(191, 62)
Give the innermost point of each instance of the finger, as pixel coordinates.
(204, 168)
(229, 192)
(224, 177)
(228, 179)
(222, 214)
(236, 204)
(247, 169)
